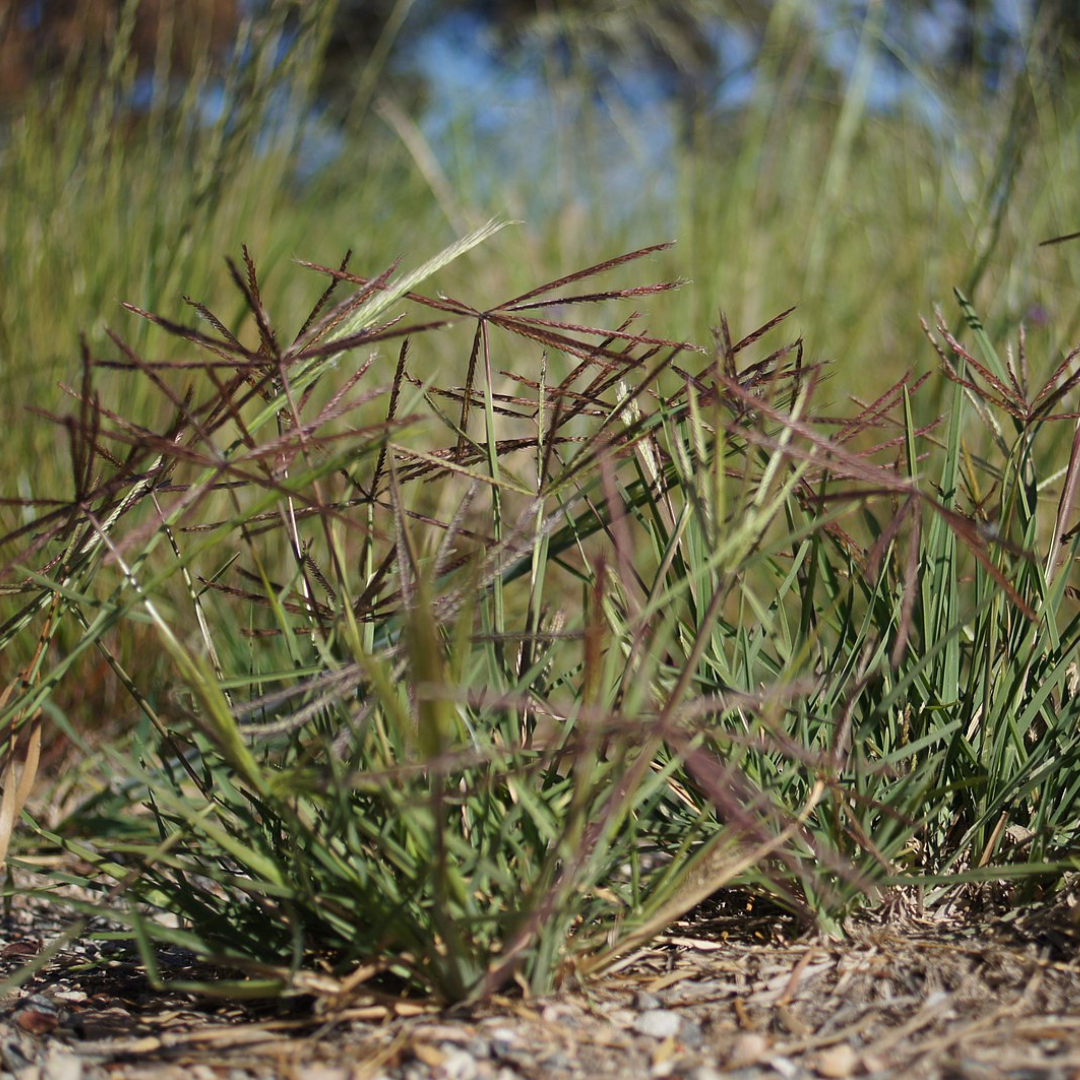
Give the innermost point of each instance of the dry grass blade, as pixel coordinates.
(714, 867)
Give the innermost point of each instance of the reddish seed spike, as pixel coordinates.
(341, 311)
(727, 351)
(323, 300)
(214, 321)
(590, 271)
(592, 298)
(1048, 387)
(220, 348)
(252, 277)
(442, 303)
(1018, 387)
(249, 288)
(612, 335)
(386, 332)
(762, 330)
(1060, 239)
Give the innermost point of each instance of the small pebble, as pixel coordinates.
(60, 1065)
(37, 1021)
(658, 1023)
(12, 1058)
(479, 1048)
(786, 1068)
(644, 1001)
(69, 997)
(517, 1058)
(325, 1072)
(623, 1018)
(458, 1064)
(556, 1061)
(555, 1012)
(837, 1062)
(747, 1049)
(691, 1034)
(40, 1001)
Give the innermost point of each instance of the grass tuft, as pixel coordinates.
(443, 688)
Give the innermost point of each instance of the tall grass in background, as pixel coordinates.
(864, 219)
(807, 194)
(106, 201)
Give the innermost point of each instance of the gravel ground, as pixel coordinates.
(959, 992)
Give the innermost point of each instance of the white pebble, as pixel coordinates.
(658, 1023)
(458, 1065)
(60, 1065)
(747, 1049)
(838, 1062)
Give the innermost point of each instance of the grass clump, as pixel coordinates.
(441, 687)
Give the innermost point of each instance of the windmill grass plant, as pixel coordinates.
(446, 687)
(443, 644)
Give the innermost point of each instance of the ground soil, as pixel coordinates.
(969, 989)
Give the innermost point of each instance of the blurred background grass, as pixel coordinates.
(858, 160)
